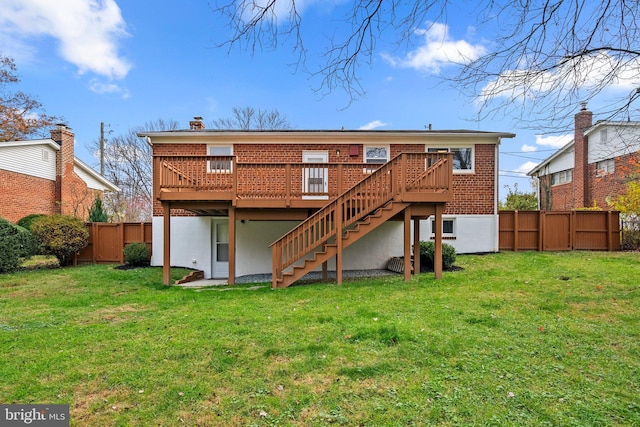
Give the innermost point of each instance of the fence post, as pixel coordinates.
(515, 231)
(609, 242)
(541, 219)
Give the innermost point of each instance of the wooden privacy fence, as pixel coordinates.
(559, 230)
(107, 241)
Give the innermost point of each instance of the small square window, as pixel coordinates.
(447, 227)
(376, 154)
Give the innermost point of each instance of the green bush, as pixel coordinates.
(427, 252)
(97, 213)
(40, 262)
(60, 235)
(28, 220)
(137, 254)
(15, 243)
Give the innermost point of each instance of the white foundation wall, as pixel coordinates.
(473, 233)
(190, 241)
(253, 255)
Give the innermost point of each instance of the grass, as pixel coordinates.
(513, 339)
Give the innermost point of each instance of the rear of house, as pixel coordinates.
(226, 196)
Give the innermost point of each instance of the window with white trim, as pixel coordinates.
(448, 228)
(562, 177)
(462, 157)
(222, 165)
(376, 154)
(605, 167)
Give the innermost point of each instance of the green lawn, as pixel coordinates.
(513, 339)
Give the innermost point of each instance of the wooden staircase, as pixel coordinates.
(388, 191)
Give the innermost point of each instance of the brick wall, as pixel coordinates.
(23, 195)
(474, 193)
(603, 187)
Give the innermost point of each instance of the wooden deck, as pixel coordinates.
(287, 185)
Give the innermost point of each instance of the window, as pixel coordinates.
(604, 137)
(448, 229)
(562, 177)
(462, 157)
(376, 154)
(605, 167)
(224, 164)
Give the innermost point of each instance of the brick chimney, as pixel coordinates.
(583, 121)
(196, 123)
(64, 166)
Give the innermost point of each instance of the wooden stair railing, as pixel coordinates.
(318, 233)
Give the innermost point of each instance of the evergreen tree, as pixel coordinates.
(97, 212)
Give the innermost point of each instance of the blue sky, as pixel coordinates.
(125, 63)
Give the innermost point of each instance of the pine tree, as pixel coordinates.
(97, 212)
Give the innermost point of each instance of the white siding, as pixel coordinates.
(563, 162)
(34, 160)
(619, 141)
(89, 179)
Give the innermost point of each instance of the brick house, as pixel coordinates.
(44, 177)
(233, 203)
(591, 168)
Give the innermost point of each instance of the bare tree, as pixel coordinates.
(21, 116)
(128, 164)
(546, 54)
(247, 118)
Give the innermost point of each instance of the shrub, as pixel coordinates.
(28, 220)
(15, 243)
(60, 235)
(137, 254)
(427, 252)
(40, 262)
(97, 212)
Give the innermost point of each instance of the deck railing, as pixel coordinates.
(406, 173)
(255, 180)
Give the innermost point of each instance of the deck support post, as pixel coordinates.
(166, 248)
(339, 243)
(416, 245)
(407, 244)
(437, 253)
(231, 278)
(325, 271)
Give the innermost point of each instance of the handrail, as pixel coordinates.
(405, 172)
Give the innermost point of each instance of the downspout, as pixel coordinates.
(496, 237)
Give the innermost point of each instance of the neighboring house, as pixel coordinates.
(44, 177)
(233, 203)
(592, 168)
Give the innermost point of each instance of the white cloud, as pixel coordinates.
(437, 51)
(553, 141)
(102, 88)
(374, 125)
(87, 31)
(525, 167)
(529, 148)
(584, 72)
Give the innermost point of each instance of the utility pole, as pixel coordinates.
(101, 148)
